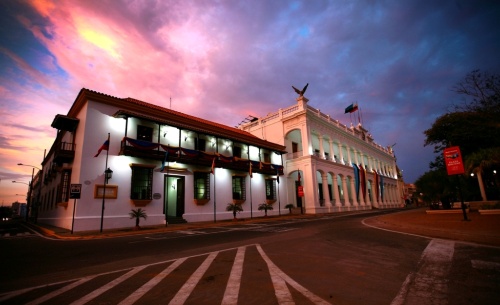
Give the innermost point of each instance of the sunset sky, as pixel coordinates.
(223, 60)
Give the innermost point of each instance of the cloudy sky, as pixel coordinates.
(223, 60)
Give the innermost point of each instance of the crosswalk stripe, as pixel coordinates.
(233, 284)
(188, 287)
(108, 286)
(430, 283)
(136, 295)
(282, 278)
(60, 291)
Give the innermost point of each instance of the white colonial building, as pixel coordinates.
(341, 168)
(161, 161)
(182, 168)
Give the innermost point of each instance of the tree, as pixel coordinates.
(264, 207)
(483, 163)
(473, 126)
(235, 208)
(138, 214)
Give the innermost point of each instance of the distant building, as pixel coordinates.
(161, 161)
(334, 167)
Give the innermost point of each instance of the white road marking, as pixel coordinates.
(484, 265)
(108, 286)
(233, 284)
(430, 284)
(280, 278)
(189, 286)
(60, 291)
(136, 295)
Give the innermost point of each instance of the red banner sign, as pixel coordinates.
(453, 161)
(300, 191)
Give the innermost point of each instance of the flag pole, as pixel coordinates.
(215, 195)
(279, 199)
(105, 182)
(166, 197)
(251, 208)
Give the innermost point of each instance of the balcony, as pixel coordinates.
(155, 151)
(64, 152)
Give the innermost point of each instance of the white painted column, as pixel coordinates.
(336, 190)
(353, 192)
(326, 195)
(347, 202)
(321, 148)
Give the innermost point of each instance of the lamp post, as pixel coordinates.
(39, 190)
(29, 197)
(108, 173)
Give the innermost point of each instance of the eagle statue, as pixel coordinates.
(301, 92)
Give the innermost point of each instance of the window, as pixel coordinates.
(201, 185)
(201, 145)
(270, 189)
(142, 182)
(295, 147)
(144, 133)
(239, 189)
(63, 192)
(267, 158)
(237, 151)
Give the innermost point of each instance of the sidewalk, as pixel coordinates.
(483, 229)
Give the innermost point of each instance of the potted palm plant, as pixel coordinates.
(265, 207)
(137, 214)
(235, 208)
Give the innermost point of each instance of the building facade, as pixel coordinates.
(174, 166)
(330, 167)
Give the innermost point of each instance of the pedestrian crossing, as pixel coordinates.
(209, 278)
(17, 235)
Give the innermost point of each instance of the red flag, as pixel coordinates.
(213, 166)
(104, 146)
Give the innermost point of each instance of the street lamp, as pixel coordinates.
(28, 207)
(29, 197)
(108, 173)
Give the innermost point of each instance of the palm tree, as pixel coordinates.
(265, 207)
(235, 208)
(138, 214)
(480, 160)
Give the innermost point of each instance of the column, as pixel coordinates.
(321, 148)
(336, 190)
(353, 192)
(341, 154)
(326, 195)
(346, 192)
(332, 152)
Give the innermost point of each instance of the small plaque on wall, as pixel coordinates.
(111, 191)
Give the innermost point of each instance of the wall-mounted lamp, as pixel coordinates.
(472, 174)
(185, 139)
(108, 173)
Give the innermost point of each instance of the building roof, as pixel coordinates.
(137, 108)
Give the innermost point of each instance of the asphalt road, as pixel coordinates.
(328, 260)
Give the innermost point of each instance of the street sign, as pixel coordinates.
(453, 161)
(75, 191)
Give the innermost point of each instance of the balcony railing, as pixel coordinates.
(155, 151)
(64, 152)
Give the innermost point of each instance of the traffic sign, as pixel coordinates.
(75, 191)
